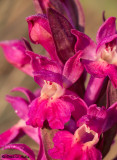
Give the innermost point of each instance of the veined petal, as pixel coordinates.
(9, 135)
(14, 52)
(27, 92)
(23, 148)
(93, 154)
(86, 44)
(17, 131)
(97, 68)
(48, 76)
(37, 112)
(62, 145)
(20, 106)
(40, 33)
(107, 29)
(40, 62)
(95, 118)
(105, 41)
(73, 68)
(78, 153)
(58, 112)
(31, 132)
(61, 31)
(79, 105)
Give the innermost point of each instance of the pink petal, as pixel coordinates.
(9, 135)
(73, 68)
(62, 145)
(40, 33)
(59, 112)
(27, 92)
(37, 92)
(48, 76)
(97, 69)
(40, 62)
(37, 112)
(23, 148)
(95, 118)
(31, 132)
(107, 29)
(61, 31)
(94, 88)
(14, 52)
(20, 106)
(86, 44)
(79, 105)
(111, 39)
(77, 153)
(93, 154)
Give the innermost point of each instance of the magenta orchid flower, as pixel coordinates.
(15, 53)
(100, 60)
(54, 103)
(82, 144)
(79, 128)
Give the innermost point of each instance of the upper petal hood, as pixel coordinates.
(107, 29)
(40, 33)
(73, 68)
(86, 44)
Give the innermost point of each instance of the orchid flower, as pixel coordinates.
(82, 144)
(15, 53)
(43, 30)
(100, 60)
(55, 102)
(56, 110)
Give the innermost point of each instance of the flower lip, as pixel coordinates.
(51, 90)
(86, 136)
(108, 52)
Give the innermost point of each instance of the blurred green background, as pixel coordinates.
(14, 26)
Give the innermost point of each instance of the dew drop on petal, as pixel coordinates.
(16, 111)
